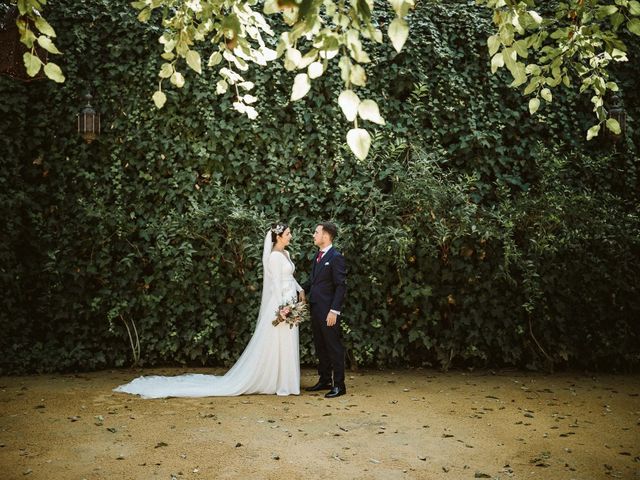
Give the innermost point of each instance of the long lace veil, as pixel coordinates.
(266, 278)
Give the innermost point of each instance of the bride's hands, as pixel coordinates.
(303, 297)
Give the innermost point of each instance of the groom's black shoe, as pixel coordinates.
(336, 392)
(319, 386)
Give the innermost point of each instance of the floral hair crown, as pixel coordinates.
(278, 229)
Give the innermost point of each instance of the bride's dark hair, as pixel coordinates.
(277, 229)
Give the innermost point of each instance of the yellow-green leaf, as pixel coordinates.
(27, 37)
(292, 58)
(357, 75)
(271, 7)
(166, 70)
(359, 142)
(398, 33)
(144, 15)
(301, 86)
(634, 7)
(634, 26)
(193, 60)
(177, 79)
(368, 110)
(44, 27)
(614, 126)
(593, 132)
(546, 94)
(493, 42)
(536, 17)
(221, 87)
(521, 48)
(54, 72)
(497, 62)
(215, 59)
(534, 104)
(349, 101)
(315, 70)
(32, 64)
(159, 98)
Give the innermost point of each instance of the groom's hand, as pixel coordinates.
(332, 318)
(303, 297)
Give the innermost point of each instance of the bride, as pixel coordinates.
(271, 361)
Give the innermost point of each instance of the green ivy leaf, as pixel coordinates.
(634, 7)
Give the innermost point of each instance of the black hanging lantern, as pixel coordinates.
(617, 112)
(88, 121)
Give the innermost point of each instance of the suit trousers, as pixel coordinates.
(329, 349)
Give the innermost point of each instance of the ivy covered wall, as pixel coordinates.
(475, 234)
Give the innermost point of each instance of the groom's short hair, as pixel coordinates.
(330, 228)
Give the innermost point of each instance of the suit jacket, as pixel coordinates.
(327, 284)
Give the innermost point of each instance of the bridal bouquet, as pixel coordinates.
(291, 313)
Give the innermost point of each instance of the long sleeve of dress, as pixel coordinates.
(275, 270)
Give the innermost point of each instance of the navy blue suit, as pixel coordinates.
(325, 290)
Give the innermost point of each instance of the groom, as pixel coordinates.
(326, 288)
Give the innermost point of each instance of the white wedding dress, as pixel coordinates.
(269, 364)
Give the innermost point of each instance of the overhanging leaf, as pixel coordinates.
(614, 126)
(159, 98)
(493, 42)
(315, 70)
(31, 63)
(177, 79)
(398, 33)
(634, 26)
(54, 72)
(359, 142)
(301, 86)
(593, 132)
(193, 60)
(368, 110)
(534, 105)
(44, 27)
(349, 101)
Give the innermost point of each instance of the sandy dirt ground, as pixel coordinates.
(391, 425)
